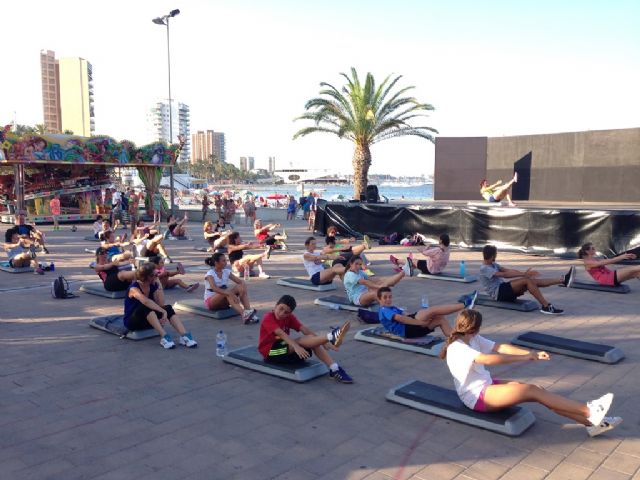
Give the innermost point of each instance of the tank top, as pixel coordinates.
(220, 282)
(130, 304)
(602, 275)
(235, 255)
(312, 267)
(16, 251)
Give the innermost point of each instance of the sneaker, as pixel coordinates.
(394, 260)
(569, 277)
(599, 408)
(608, 423)
(264, 275)
(338, 333)
(188, 341)
(247, 315)
(45, 250)
(408, 267)
(551, 310)
(367, 242)
(39, 271)
(284, 234)
(283, 247)
(167, 342)
(180, 268)
(269, 251)
(470, 300)
(193, 287)
(341, 376)
(369, 272)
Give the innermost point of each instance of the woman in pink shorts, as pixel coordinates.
(598, 268)
(467, 353)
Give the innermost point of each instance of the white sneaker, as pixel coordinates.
(599, 408)
(188, 341)
(264, 275)
(167, 342)
(608, 423)
(406, 268)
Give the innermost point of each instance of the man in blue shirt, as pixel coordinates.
(29, 232)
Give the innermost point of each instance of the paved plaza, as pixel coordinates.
(78, 403)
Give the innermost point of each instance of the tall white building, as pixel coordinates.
(158, 121)
(272, 164)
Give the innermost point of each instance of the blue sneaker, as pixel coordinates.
(470, 300)
(167, 342)
(341, 376)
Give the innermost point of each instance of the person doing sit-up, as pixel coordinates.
(29, 232)
(239, 261)
(497, 192)
(264, 236)
(598, 268)
(218, 294)
(144, 308)
(278, 347)
(421, 323)
(113, 278)
(436, 261)
(313, 263)
(177, 227)
(467, 353)
(362, 290)
(114, 247)
(493, 275)
(167, 279)
(21, 251)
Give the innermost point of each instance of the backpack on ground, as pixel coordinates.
(392, 239)
(60, 288)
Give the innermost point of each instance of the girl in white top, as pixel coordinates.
(467, 353)
(218, 294)
(319, 275)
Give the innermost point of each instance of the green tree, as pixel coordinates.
(365, 114)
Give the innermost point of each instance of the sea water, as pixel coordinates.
(398, 193)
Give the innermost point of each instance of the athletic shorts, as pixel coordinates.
(492, 199)
(422, 266)
(480, 405)
(113, 284)
(209, 301)
(315, 279)
(506, 293)
(280, 354)
(138, 319)
(416, 331)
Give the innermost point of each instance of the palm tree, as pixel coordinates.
(365, 114)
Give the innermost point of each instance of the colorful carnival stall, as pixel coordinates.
(34, 168)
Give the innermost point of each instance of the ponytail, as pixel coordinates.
(468, 321)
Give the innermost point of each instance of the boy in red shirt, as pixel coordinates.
(276, 346)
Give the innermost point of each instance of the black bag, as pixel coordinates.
(60, 288)
(367, 316)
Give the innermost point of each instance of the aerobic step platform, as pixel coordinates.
(196, 305)
(445, 403)
(97, 288)
(342, 303)
(5, 267)
(249, 357)
(567, 346)
(114, 324)
(304, 284)
(427, 345)
(601, 288)
(518, 305)
(448, 277)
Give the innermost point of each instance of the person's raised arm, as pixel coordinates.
(506, 354)
(498, 183)
(136, 293)
(591, 263)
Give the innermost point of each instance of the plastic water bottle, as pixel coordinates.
(221, 344)
(462, 269)
(246, 273)
(424, 302)
(52, 266)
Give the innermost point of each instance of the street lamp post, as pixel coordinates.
(164, 20)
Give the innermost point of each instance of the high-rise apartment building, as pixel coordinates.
(247, 163)
(251, 163)
(67, 94)
(158, 121)
(243, 164)
(272, 164)
(208, 143)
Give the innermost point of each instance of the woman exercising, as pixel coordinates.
(497, 192)
(598, 268)
(113, 278)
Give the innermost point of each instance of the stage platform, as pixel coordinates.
(546, 228)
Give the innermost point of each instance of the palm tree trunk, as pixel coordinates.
(361, 162)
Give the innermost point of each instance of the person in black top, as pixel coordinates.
(239, 261)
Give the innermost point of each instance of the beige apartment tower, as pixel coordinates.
(67, 94)
(207, 143)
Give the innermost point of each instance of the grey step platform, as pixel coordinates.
(519, 305)
(305, 284)
(601, 288)
(97, 288)
(202, 249)
(171, 237)
(567, 346)
(342, 303)
(91, 239)
(5, 267)
(114, 324)
(427, 345)
(196, 305)
(512, 421)
(449, 277)
(249, 357)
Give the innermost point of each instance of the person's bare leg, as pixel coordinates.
(368, 298)
(521, 285)
(627, 273)
(392, 280)
(153, 320)
(177, 324)
(126, 275)
(358, 249)
(501, 191)
(243, 294)
(328, 274)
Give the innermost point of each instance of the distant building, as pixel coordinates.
(67, 94)
(243, 164)
(251, 163)
(272, 164)
(158, 122)
(207, 143)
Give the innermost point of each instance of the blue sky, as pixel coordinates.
(247, 67)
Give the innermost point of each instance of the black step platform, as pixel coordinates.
(427, 345)
(601, 288)
(304, 284)
(512, 421)
(518, 305)
(569, 347)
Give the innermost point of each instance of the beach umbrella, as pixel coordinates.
(276, 196)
